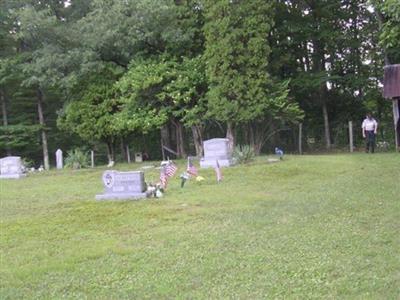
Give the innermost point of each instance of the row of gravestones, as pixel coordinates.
(127, 185)
(11, 167)
(131, 185)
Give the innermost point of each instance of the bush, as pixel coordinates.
(27, 163)
(77, 159)
(243, 154)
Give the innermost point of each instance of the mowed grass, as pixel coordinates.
(310, 227)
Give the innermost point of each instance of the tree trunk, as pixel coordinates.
(110, 151)
(123, 150)
(198, 139)
(165, 139)
(5, 116)
(250, 134)
(40, 98)
(180, 146)
(263, 133)
(230, 135)
(326, 125)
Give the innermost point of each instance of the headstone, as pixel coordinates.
(273, 160)
(59, 159)
(138, 157)
(11, 167)
(128, 154)
(311, 140)
(216, 149)
(123, 186)
(92, 158)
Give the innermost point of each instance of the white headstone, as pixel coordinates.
(59, 159)
(216, 149)
(138, 157)
(123, 186)
(11, 167)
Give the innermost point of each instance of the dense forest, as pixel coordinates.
(106, 74)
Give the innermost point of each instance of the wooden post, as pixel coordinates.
(92, 158)
(128, 155)
(396, 117)
(351, 136)
(300, 138)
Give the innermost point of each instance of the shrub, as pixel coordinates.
(27, 163)
(243, 154)
(77, 159)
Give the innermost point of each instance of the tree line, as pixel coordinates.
(109, 73)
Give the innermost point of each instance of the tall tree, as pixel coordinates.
(236, 53)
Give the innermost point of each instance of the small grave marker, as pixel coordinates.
(59, 159)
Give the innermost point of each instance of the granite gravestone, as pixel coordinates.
(11, 167)
(123, 186)
(59, 159)
(216, 149)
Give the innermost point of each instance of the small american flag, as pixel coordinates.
(191, 169)
(170, 169)
(163, 177)
(218, 172)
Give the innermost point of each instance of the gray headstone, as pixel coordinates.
(59, 159)
(123, 186)
(11, 167)
(216, 149)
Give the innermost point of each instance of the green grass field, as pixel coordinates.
(310, 227)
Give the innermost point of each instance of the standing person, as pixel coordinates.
(369, 130)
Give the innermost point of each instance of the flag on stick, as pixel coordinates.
(170, 169)
(163, 177)
(218, 172)
(191, 169)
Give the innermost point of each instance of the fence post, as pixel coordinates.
(351, 136)
(128, 155)
(92, 158)
(300, 138)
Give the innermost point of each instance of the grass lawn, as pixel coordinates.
(323, 226)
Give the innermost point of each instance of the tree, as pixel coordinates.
(329, 51)
(188, 93)
(94, 116)
(236, 53)
(388, 15)
(156, 93)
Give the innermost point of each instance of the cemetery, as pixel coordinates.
(262, 221)
(199, 149)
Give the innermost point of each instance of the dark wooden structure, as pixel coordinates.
(391, 90)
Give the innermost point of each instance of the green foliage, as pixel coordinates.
(243, 154)
(19, 136)
(27, 163)
(236, 54)
(94, 116)
(390, 31)
(154, 91)
(124, 68)
(77, 159)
